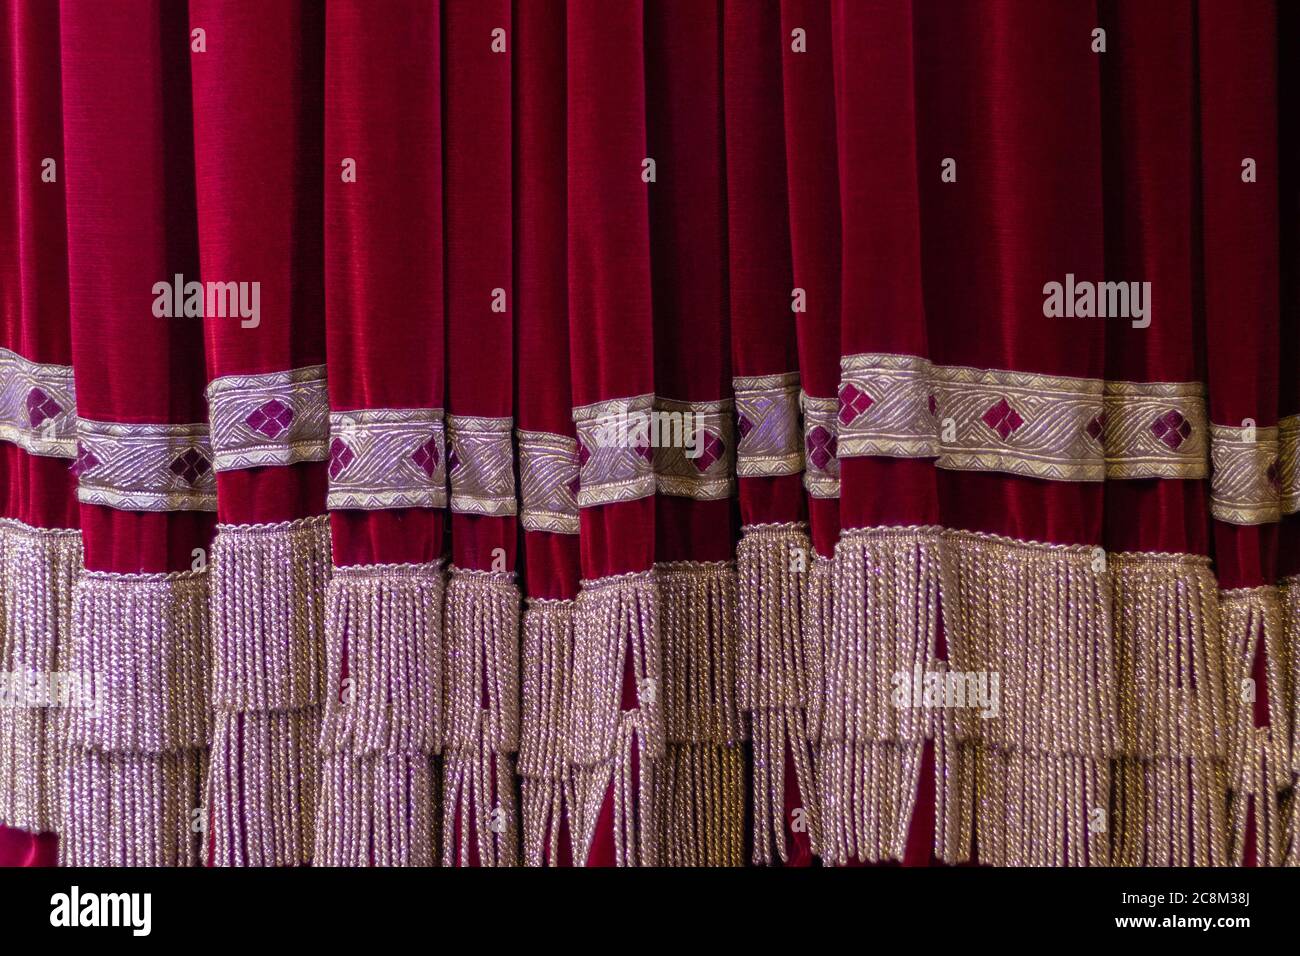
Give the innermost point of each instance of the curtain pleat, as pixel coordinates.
(653, 433)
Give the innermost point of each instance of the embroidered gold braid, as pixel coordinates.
(1244, 483)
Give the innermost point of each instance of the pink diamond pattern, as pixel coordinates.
(744, 425)
(85, 461)
(426, 456)
(1171, 428)
(644, 450)
(711, 450)
(822, 446)
(1096, 426)
(270, 418)
(453, 459)
(1002, 418)
(191, 466)
(584, 455)
(340, 457)
(40, 407)
(853, 402)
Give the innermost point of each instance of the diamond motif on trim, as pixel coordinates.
(1172, 428)
(711, 450)
(453, 459)
(1096, 426)
(584, 453)
(191, 466)
(934, 404)
(644, 449)
(853, 402)
(744, 425)
(270, 418)
(340, 457)
(85, 461)
(40, 407)
(1274, 474)
(1002, 418)
(426, 456)
(822, 446)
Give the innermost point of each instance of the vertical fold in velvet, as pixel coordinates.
(617, 722)
(268, 411)
(481, 672)
(139, 618)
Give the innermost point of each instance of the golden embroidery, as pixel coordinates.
(481, 465)
(139, 467)
(275, 418)
(694, 448)
(821, 475)
(387, 458)
(548, 482)
(1156, 430)
(885, 407)
(1288, 463)
(615, 457)
(38, 406)
(1243, 485)
(1018, 422)
(767, 420)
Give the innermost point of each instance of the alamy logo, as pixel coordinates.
(657, 429)
(75, 909)
(214, 300)
(928, 689)
(1098, 300)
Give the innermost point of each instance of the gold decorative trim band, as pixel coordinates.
(387, 458)
(821, 475)
(548, 481)
(1288, 463)
(1244, 483)
(695, 446)
(767, 420)
(1156, 430)
(276, 418)
(1043, 426)
(38, 406)
(137, 467)
(887, 406)
(615, 455)
(481, 466)
(1055, 427)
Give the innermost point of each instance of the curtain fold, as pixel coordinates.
(652, 433)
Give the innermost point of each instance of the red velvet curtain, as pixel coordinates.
(648, 432)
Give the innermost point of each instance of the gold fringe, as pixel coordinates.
(268, 600)
(37, 569)
(780, 674)
(700, 786)
(481, 704)
(380, 809)
(547, 781)
(1289, 594)
(1028, 785)
(135, 760)
(383, 716)
(1259, 758)
(617, 630)
(1171, 780)
(886, 615)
